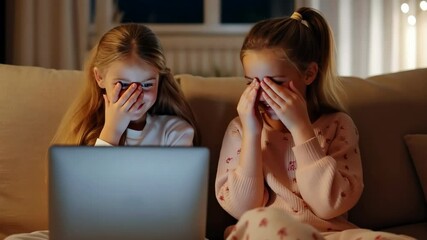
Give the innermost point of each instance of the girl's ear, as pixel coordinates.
(311, 73)
(98, 77)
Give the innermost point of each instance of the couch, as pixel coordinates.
(390, 111)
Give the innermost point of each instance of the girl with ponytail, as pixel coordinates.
(289, 165)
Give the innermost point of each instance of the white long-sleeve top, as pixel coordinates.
(159, 130)
(317, 182)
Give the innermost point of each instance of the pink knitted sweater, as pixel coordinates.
(316, 182)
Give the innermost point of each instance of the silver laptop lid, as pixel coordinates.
(127, 192)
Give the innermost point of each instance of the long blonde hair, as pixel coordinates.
(84, 121)
(304, 39)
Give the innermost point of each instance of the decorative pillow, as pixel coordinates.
(417, 145)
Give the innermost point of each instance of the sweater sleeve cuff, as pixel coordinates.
(101, 143)
(308, 152)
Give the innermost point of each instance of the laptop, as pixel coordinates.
(127, 192)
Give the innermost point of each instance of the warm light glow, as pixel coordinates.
(423, 5)
(404, 7)
(412, 20)
(410, 52)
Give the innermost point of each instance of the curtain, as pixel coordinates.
(106, 16)
(375, 36)
(47, 33)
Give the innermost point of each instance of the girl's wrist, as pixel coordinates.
(302, 134)
(251, 133)
(111, 137)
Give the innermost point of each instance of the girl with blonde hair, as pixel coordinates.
(129, 98)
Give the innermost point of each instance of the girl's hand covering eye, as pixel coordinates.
(248, 110)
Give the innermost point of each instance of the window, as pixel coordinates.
(250, 11)
(162, 11)
(206, 16)
(202, 37)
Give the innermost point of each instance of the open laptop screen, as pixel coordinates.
(127, 192)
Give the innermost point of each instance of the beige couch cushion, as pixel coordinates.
(214, 102)
(25, 135)
(385, 108)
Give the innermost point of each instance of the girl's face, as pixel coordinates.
(268, 63)
(128, 71)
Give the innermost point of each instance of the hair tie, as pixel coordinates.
(297, 16)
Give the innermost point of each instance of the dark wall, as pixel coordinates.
(2, 31)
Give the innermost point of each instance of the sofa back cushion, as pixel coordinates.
(33, 101)
(214, 102)
(385, 108)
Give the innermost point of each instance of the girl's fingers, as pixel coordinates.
(254, 85)
(127, 94)
(138, 102)
(270, 101)
(254, 91)
(276, 92)
(250, 93)
(273, 96)
(116, 92)
(132, 99)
